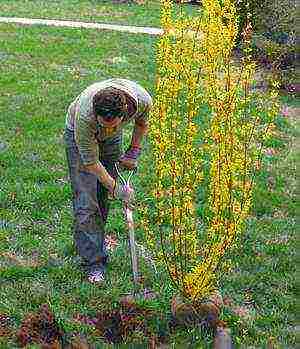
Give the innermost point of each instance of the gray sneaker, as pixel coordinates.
(96, 276)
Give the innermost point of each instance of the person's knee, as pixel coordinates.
(86, 201)
(87, 219)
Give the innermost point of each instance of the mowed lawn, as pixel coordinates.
(41, 71)
(146, 14)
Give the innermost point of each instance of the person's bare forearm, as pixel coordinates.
(140, 130)
(104, 177)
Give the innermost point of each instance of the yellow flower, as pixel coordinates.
(192, 73)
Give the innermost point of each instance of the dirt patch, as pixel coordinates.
(40, 328)
(129, 322)
(132, 323)
(11, 258)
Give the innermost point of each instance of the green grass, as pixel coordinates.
(42, 70)
(89, 10)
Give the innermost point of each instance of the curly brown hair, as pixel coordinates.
(110, 103)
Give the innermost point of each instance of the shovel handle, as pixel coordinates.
(134, 261)
(132, 245)
(130, 226)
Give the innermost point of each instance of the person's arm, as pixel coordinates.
(139, 131)
(121, 192)
(129, 159)
(104, 177)
(85, 129)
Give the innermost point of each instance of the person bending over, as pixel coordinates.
(93, 141)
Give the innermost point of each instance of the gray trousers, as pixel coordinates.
(90, 200)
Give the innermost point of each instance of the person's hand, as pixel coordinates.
(124, 193)
(129, 159)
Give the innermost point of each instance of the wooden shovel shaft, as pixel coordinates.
(130, 226)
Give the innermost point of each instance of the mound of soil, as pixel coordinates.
(116, 325)
(40, 328)
(128, 322)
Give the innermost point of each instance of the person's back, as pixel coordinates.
(140, 99)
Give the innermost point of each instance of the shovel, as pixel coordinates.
(128, 213)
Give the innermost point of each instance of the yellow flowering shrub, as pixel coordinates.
(195, 68)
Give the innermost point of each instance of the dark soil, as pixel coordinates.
(40, 328)
(125, 323)
(117, 325)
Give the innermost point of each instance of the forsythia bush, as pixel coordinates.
(195, 68)
(176, 158)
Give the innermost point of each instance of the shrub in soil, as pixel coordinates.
(206, 313)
